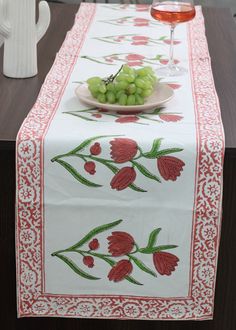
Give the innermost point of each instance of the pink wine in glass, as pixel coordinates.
(172, 12)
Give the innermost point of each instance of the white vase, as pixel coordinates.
(21, 35)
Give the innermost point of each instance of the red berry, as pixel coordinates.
(88, 261)
(96, 149)
(94, 244)
(90, 167)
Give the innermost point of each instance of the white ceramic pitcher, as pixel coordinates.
(21, 35)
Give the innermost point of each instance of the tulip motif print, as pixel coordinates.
(120, 245)
(131, 21)
(125, 162)
(131, 59)
(133, 39)
(157, 115)
(125, 6)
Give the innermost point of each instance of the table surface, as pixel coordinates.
(18, 96)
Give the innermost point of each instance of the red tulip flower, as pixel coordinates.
(134, 57)
(95, 149)
(135, 63)
(139, 40)
(94, 244)
(127, 119)
(90, 167)
(174, 86)
(97, 115)
(170, 167)
(123, 178)
(165, 262)
(142, 7)
(170, 118)
(120, 270)
(165, 61)
(88, 261)
(123, 150)
(120, 243)
(141, 22)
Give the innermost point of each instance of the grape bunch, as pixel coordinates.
(128, 86)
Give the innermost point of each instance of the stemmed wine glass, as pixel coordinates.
(172, 13)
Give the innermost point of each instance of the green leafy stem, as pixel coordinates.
(150, 248)
(154, 153)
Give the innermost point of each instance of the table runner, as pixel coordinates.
(118, 216)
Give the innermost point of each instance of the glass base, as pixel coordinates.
(172, 71)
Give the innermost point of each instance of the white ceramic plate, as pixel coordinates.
(162, 94)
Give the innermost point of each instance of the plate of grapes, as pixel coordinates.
(128, 90)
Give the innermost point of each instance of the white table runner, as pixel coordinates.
(118, 216)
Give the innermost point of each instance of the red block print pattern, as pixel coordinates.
(120, 244)
(157, 115)
(165, 263)
(132, 59)
(131, 21)
(123, 151)
(136, 39)
(126, 6)
(170, 167)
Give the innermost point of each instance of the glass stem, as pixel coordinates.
(171, 56)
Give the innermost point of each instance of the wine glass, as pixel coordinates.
(172, 13)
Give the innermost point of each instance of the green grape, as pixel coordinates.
(111, 87)
(110, 97)
(119, 93)
(147, 85)
(93, 88)
(151, 79)
(127, 69)
(101, 98)
(94, 80)
(142, 72)
(130, 78)
(139, 100)
(122, 85)
(122, 99)
(149, 69)
(138, 90)
(131, 89)
(131, 100)
(121, 77)
(102, 88)
(140, 83)
(147, 92)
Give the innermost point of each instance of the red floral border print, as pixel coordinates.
(32, 301)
